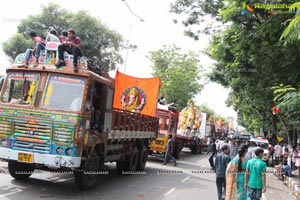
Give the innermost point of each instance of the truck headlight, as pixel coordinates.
(59, 150)
(69, 151)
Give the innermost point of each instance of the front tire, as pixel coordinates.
(19, 170)
(87, 177)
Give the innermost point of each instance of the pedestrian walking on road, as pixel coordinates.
(235, 176)
(255, 177)
(212, 154)
(208, 145)
(233, 149)
(222, 161)
(169, 151)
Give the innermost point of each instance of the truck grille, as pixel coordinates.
(5, 127)
(35, 137)
(63, 135)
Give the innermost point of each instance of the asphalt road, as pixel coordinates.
(191, 179)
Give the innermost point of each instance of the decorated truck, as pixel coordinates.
(55, 119)
(188, 129)
(169, 121)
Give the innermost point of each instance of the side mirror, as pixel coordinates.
(1, 82)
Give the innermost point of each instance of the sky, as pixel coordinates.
(156, 29)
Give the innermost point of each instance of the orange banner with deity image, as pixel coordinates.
(134, 94)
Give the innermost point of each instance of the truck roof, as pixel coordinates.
(67, 70)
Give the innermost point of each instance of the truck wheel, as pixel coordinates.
(87, 177)
(177, 151)
(120, 166)
(20, 171)
(195, 149)
(150, 152)
(143, 157)
(131, 161)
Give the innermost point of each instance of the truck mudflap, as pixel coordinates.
(52, 161)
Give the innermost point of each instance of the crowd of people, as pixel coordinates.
(237, 176)
(240, 174)
(68, 40)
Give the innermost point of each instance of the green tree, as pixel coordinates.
(99, 43)
(250, 58)
(179, 73)
(199, 16)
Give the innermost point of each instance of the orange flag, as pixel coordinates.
(134, 94)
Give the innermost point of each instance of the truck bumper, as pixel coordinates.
(49, 160)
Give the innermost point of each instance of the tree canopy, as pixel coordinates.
(251, 58)
(99, 43)
(179, 73)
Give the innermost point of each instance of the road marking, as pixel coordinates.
(62, 180)
(10, 193)
(169, 192)
(185, 179)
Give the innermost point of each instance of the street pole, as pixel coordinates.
(127, 46)
(130, 30)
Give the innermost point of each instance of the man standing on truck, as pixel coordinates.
(73, 46)
(169, 152)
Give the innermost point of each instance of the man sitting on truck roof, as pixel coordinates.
(39, 44)
(73, 46)
(52, 36)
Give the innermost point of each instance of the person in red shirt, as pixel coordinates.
(39, 44)
(73, 46)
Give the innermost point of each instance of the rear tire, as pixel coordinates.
(120, 166)
(176, 152)
(131, 161)
(143, 157)
(87, 177)
(195, 149)
(19, 170)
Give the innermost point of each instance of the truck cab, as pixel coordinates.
(168, 122)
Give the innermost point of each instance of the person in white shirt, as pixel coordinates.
(52, 36)
(208, 142)
(76, 104)
(277, 153)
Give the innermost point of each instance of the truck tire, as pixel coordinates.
(120, 166)
(131, 161)
(176, 152)
(195, 149)
(87, 177)
(19, 170)
(143, 157)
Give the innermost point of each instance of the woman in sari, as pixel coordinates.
(235, 176)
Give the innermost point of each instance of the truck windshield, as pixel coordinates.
(20, 88)
(64, 93)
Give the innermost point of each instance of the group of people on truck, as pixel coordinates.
(68, 40)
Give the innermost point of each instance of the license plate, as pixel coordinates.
(25, 157)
